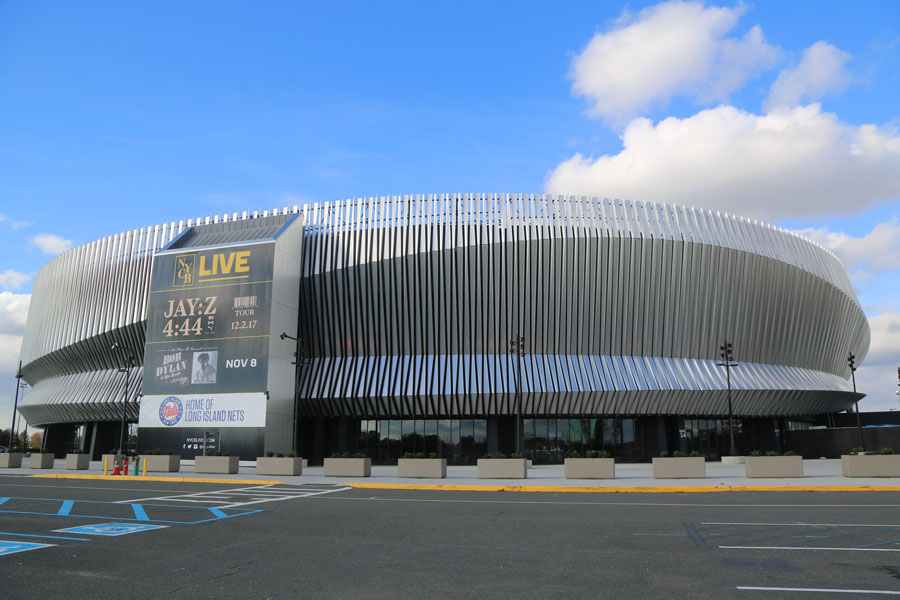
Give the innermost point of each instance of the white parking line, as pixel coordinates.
(239, 504)
(806, 524)
(259, 495)
(811, 548)
(818, 590)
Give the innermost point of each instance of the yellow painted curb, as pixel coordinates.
(522, 488)
(614, 490)
(815, 488)
(131, 478)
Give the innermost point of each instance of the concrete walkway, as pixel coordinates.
(819, 475)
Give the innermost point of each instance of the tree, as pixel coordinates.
(36, 440)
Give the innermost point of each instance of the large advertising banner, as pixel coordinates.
(206, 355)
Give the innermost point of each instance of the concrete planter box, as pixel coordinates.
(112, 458)
(502, 468)
(162, 463)
(278, 465)
(679, 467)
(774, 466)
(348, 467)
(216, 464)
(10, 460)
(78, 462)
(42, 460)
(590, 468)
(863, 465)
(427, 468)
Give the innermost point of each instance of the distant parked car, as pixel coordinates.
(3, 448)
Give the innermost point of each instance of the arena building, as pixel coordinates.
(452, 324)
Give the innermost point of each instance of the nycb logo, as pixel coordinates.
(184, 270)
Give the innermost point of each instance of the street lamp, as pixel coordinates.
(300, 359)
(128, 363)
(12, 427)
(517, 347)
(851, 361)
(728, 362)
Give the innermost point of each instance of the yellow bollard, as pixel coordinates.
(105, 466)
(144, 474)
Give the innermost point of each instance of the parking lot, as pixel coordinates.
(150, 539)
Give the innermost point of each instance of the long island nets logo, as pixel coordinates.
(170, 411)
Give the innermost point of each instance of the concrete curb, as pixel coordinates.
(625, 490)
(680, 489)
(131, 478)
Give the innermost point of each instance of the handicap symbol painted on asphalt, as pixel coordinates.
(111, 529)
(7, 547)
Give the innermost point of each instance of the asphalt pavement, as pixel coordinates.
(133, 538)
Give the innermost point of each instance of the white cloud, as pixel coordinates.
(51, 244)
(13, 312)
(820, 73)
(885, 346)
(9, 356)
(672, 48)
(875, 252)
(14, 224)
(877, 377)
(13, 280)
(9, 361)
(787, 163)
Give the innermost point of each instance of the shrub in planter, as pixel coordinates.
(157, 462)
(773, 465)
(219, 463)
(498, 466)
(880, 463)
(595, 465)
(418, 465)
(276, 463)
(679, 466)
(348, 465)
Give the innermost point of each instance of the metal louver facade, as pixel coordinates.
(408, 305)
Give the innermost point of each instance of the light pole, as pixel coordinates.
(851, 361)
(12, 426)
(517, 347)
(300, 359)
(728, 363)
(128, 363)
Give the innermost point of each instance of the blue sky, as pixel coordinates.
(118, 115)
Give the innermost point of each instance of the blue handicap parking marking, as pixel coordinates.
(111, 529)
(9, 547)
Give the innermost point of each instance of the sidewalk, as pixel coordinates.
(819, 475)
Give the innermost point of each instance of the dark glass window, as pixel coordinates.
(444, 432)
(479, 448)
(431, 437)
(408, 437)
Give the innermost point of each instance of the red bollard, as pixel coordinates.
(125, 461)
